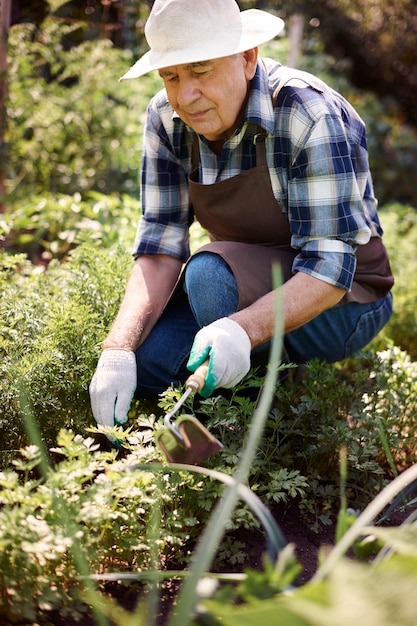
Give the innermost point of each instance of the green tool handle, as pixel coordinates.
(197, 379)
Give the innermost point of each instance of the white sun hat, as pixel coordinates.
(189, 31)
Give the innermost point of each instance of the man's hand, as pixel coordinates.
(228, 347)
(113, 386)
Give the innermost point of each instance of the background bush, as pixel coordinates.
(74, 128)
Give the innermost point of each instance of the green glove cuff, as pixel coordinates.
(228, 348)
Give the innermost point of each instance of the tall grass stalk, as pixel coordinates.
(153, 535)
(215, 528)
(342, 520)
(385, 445)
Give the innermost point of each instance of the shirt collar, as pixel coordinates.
(259, 109)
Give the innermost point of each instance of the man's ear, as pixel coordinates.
(251, 60)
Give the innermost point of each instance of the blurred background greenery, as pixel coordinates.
(70, 127)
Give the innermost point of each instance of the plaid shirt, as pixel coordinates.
(318, 163)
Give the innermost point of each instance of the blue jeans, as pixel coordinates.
(210, 292)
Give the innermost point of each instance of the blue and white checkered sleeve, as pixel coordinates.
(163, 227)
(326, 207)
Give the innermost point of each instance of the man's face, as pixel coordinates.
(209, 96)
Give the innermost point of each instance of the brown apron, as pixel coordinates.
(250, 232)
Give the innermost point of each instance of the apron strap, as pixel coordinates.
(195, 153)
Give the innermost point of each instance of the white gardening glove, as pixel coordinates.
(228, 347)
(112, 386)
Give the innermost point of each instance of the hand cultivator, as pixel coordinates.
(187, 440)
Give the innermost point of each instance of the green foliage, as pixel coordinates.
(72, 126)
(89, 499)
(334, 408)
(400, 226)
(52, 324)
(49, 226)
(382, 57)
(341, 591)
(391, 402)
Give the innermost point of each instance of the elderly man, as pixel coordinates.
(274, 165)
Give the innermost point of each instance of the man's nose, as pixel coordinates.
(188, 92)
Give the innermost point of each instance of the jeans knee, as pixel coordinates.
(201, 270)
(211, 287)
(369, 325)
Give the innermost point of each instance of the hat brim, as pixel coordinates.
(258, 27)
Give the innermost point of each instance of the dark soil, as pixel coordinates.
(307, 543)
(297, 531)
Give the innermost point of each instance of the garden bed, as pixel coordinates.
(297, 530)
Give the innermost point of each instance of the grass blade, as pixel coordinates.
(213, 533)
